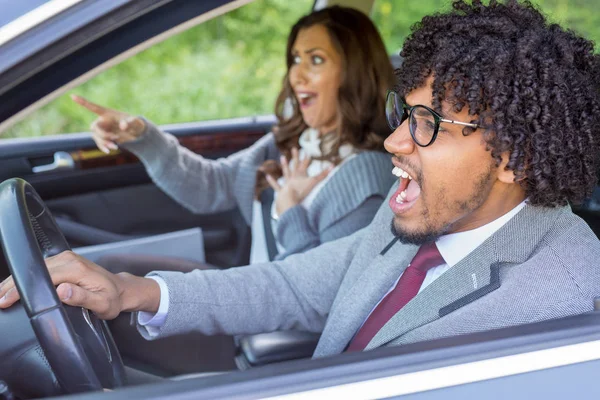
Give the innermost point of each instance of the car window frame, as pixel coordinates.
(388, 372)
(307, 375)
(47, 74)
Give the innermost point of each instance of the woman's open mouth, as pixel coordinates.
(306, 99)
(407, 193)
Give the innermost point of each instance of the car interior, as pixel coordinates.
(97, 202)
(65, 185)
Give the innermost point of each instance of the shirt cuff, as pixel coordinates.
(154, 321)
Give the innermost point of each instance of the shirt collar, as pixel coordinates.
(456, 246)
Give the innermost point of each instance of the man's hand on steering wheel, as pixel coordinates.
(82, 283)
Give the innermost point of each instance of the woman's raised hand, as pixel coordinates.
(112, 127)
(297, 183)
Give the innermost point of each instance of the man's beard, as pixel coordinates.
(430, 233)
(418, 238)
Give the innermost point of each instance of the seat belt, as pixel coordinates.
(266, 200)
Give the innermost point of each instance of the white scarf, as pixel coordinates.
(310, 146)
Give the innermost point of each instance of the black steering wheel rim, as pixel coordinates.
(78, 346)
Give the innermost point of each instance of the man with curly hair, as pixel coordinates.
(496, 119)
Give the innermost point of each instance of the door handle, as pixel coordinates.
(62, 160)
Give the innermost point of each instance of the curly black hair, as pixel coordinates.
(534, 86)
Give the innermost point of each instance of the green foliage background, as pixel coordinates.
(232, 66)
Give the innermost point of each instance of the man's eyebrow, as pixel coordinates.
(446, 114)
(410, 104)
(449, 113)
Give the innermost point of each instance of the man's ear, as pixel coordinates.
(505, 175)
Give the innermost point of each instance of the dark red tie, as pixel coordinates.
(408, 286)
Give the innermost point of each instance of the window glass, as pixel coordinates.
(395, 17)
(230, 66)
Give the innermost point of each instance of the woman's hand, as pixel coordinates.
(112, 127)
(82, 283)
(297, 183)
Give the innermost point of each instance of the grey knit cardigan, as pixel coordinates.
(346, 203)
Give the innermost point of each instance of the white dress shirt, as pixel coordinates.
(453, 248)
(152, 322)
(456, 246)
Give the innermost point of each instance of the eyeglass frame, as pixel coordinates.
(438, 119)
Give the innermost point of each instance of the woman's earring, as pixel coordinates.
(288, 107)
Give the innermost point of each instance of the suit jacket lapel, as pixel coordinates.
(472, 274)
(477, 275)
(358, 299)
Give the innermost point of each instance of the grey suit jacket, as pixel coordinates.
(540, 265)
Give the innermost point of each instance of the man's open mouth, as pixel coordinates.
(408, 189)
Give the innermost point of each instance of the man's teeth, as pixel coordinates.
(401, 197)
(400, 173)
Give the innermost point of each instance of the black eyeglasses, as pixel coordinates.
(423, 122)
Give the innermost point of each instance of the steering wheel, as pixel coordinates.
(78, 345)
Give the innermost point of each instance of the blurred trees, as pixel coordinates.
(232, 66)
(395, 17)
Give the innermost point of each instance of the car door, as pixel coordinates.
(98, 198)
(101, 198)
(552, 360)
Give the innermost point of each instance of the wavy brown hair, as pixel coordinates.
(366, 76)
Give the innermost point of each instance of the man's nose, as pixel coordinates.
(400, 141)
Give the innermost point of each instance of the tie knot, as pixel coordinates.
(427, 257)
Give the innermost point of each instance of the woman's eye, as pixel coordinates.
(296, 60)
(317, 60)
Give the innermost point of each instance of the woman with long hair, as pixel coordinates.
(324, 159)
